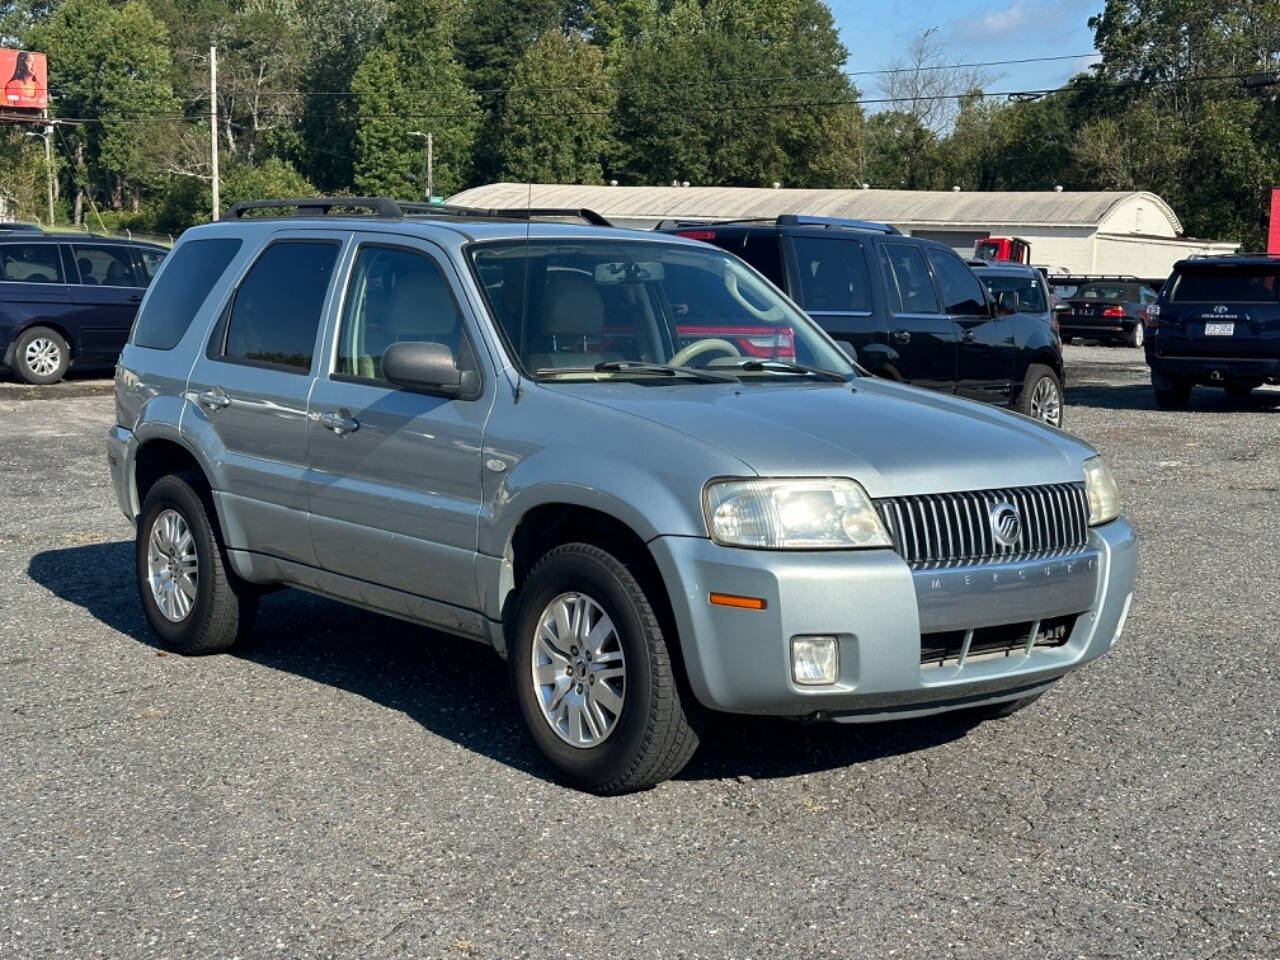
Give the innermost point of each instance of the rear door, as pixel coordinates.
(33, 290)
(833, 285)
(1222, 311)
(106, 297)
(922, 339)
(987, 357)
(249, 387)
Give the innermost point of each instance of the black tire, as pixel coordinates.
(1172, 393)
(1240, 392)
(1036, 374)
(61, 355)
(224, 606)
(1135, 336)
(655, 733)
(994, 711)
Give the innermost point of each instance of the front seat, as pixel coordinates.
(419, 309)
(116, 275)
(569, 315)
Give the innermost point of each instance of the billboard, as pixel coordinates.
(25, 76)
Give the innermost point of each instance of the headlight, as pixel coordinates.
(822, 514)
(1104, 499)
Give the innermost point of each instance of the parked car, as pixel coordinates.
(408, 413)
(1109, 310)
(911, 308)
(68, 299)
(1217, 323)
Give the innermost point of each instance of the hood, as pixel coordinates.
(895, 440)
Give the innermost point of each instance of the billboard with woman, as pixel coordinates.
(26, 76)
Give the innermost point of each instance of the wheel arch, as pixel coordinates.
(57, 327)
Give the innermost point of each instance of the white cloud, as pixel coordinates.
(996, 26)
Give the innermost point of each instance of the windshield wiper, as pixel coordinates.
(643, 366)
(786, 366)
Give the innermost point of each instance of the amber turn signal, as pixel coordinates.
(733, 600)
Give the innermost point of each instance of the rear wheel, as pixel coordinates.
(1136, 336)
(1041, 396)
(1240, 390)
(193, 601)
(593, 677)
(41, 356)
(1172, 393)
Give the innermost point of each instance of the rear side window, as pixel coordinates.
(961, 290)
(276, 311)
(104, 265)
(907, 279)
(181, 288)
(833, 274)
(1227, 285)
(30, 263)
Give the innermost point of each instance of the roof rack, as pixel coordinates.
(837, 223)
(386, 208)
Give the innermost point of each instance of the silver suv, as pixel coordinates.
(623, 459)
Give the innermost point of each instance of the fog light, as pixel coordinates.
(814, 660)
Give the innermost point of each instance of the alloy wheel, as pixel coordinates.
(1046, 402)
(42, 356)
(172, 565)
(578, 669)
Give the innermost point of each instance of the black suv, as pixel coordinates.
(68, 298)
(911, 307)
(1217, 323)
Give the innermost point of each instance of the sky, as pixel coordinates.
(971, 31)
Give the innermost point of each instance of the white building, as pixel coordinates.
(1087, 232)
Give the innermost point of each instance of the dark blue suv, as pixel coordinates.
(911, 307)
(68, 299)
(1217, 323)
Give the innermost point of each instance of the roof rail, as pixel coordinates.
(804, 220)
(385, 207)
(316, 206)
(511, 213)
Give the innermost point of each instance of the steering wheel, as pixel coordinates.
(682, 357)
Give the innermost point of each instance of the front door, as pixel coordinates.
(106, 298)
(987, 356)
(395, 474)
(922, 339)
(249, 390)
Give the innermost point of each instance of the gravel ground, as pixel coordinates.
(349, 786)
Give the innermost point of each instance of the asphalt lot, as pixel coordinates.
(350, 786)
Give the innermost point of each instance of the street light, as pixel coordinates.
(430, 175)
(48, 163)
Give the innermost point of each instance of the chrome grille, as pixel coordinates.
(956, 527)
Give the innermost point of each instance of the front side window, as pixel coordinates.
(396, 296)
(907, 279)
(151, 260)
(961, 290)
(276, 312)
(566, 306)
(104, 265)
(1030, 293)
(30, 262)
(833, 274)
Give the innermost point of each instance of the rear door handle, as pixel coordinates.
(901, 335)
(337, 422)
(213, 399)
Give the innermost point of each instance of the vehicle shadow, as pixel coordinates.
(1140, 396)
(457, 688)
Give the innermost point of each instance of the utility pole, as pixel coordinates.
(430, 161)
(213, 122)
(48, 166)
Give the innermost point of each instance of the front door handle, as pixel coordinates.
(213, 399)
(901, 335)
(338, 422)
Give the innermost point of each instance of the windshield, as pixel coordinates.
(566, 307)
(1030, 293)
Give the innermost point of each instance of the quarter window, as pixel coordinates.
(151, 260)
(102, 265)
(961, 290)
(396, 296)
(907, 278)
(276, 311)
(30, 262)
(833, 274)
(180, 291)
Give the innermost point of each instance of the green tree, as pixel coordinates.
(410, 83)
(555, 124)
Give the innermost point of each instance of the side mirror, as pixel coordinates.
(1007, 301)
(429, 367)
(849, 349)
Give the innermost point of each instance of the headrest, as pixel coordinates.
(421, 306)
(570, 306)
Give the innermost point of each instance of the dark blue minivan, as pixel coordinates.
(68, 299)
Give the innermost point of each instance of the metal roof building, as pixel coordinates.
(1079, 232)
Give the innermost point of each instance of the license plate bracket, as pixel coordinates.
(1219, 329)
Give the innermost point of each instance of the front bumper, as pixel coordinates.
(738, 660)
(122, 446)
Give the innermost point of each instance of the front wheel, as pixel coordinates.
(1041, 396)
(41, 356)
(593, 677)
